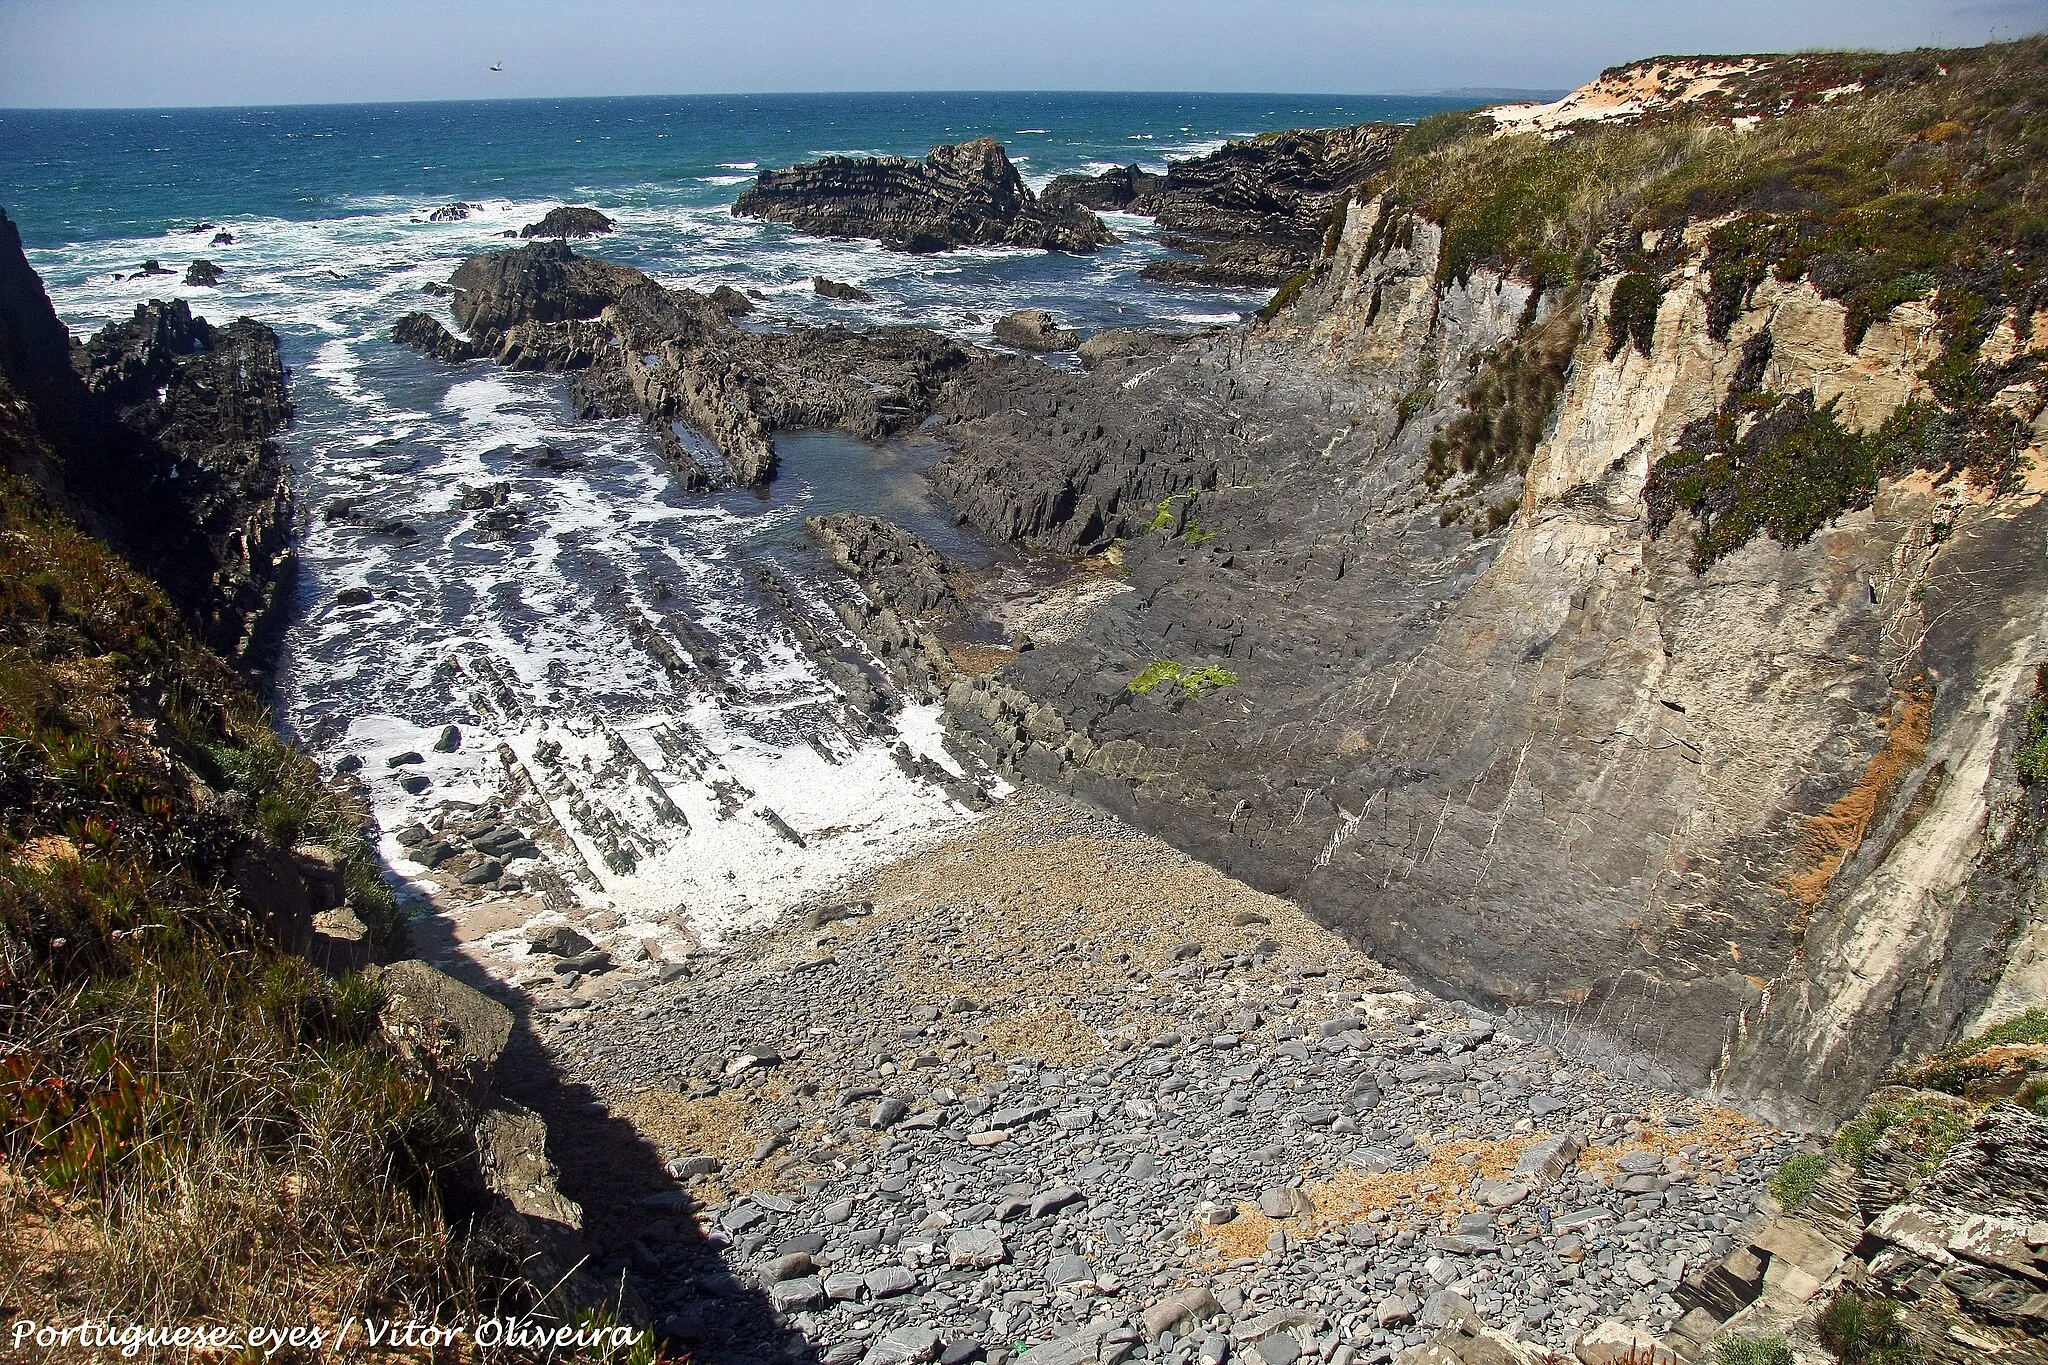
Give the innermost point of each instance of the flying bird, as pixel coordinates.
(497, 66)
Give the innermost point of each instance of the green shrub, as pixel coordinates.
(1632, 313)
(1797, 1179)
(2031, 759)
(1509, 405)
(1771, 1350)
(1859, 1329)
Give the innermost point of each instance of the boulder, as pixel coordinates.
(1122, 343)
(569, 222)
(833, 289)
(452, 1032)
(452, 213)
(556, 940)
(964, 195)
(203, 274)
(895, 567)
(1034, 329)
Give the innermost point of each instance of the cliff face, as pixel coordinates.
(157, 436)
(965, 195)
(1760, 822)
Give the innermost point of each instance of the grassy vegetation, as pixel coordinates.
(1863, 1330)
(1796, 1180)
(194, 1125)
(1780, 465)
(2001, 1062)
(1187, 683)
(2031, 759)
(1922, 185)
(1771, 1350)
(1287, 293)
(1509, 405)
(1923, 1128)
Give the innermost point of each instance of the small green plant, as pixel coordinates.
(1157, 672)
(1797, 1179)
(2032, 758)
(1771, 1350)
(1188, 682)
(1860, 1329)
(1163, 518)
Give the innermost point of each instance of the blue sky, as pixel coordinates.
(173, 52)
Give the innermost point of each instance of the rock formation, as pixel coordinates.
(1034, 329)
(163, 433)
(895, 566)
(1125, 188)
(1513, 731)
(1256, 212)
(673, 355)
(835, 289)
(965, 195)
(569, 222)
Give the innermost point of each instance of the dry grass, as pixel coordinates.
(1836, 833)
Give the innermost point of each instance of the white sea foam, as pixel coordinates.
(526, 637)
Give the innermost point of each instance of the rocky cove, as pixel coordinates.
(1338, 871)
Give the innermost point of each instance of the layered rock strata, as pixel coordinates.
(1741, 820)
(673, 356)
(965, 195)
(1256, 212)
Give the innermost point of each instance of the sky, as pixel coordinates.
(105, 53)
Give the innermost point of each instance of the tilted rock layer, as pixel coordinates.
(1737, 819)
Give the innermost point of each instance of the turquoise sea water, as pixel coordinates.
(530, 637)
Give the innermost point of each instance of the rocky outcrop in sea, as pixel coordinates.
(636, 347)
(965, 195)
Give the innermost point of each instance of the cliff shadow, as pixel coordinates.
(642, 1227)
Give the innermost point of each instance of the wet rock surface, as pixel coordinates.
(891, 563)
(674, 356)
(965, 195)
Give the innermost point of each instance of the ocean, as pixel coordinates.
(526, 628)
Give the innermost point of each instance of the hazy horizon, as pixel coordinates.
(140, 54)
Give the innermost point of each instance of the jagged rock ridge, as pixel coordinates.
(965, 195)
(636, 347)
(162, 430)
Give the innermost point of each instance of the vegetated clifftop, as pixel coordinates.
(1628, 618)
(965, 195)
(159, 436)
(674, 356)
